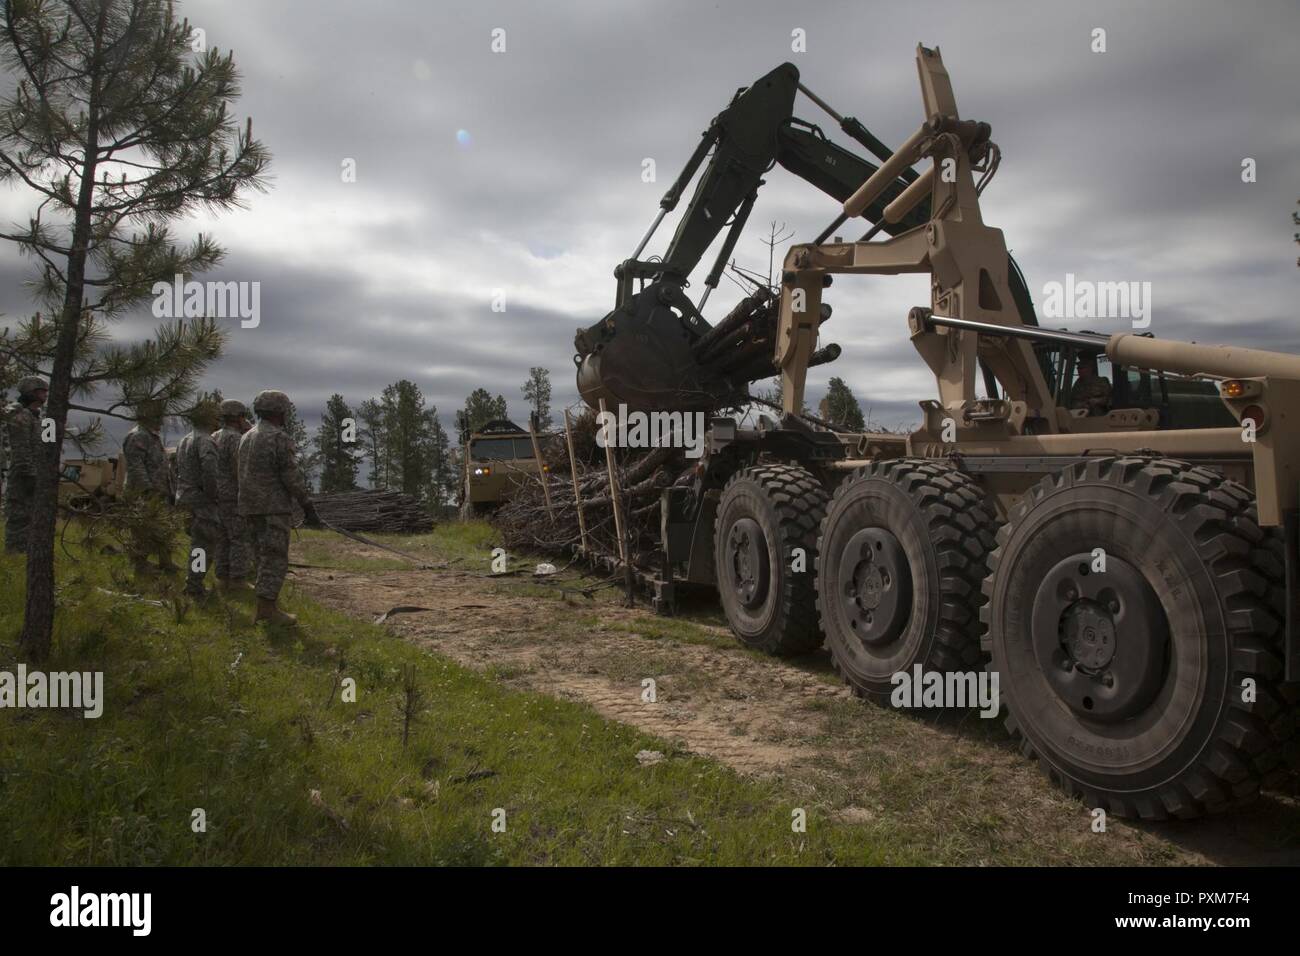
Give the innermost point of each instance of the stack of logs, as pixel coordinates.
(390, 511)
(525, 523)
(740, 348)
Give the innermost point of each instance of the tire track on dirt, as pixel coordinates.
(942, 779)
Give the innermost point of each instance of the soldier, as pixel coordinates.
(270, 481)
(196, 469)
(148, 475)
(232, 542)
(1091, 391)
(23, 420)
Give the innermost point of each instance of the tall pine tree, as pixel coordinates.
(374, 441)
(481, 408)
(537, 391)
(115, 126)
(336, 447)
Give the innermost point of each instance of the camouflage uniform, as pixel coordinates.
(232, 544)
(148, 472)
(270, 481)
(23, 423)
(1093, 394)
(146, 464)
(196, 468)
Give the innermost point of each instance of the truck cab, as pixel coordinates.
(498, 456)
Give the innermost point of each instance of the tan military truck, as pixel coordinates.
(1130, 573)
(498, 457)
(90, 481)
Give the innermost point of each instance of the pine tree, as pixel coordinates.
(337, 455)
(438, 451)
(481, 408)
(374, 441)
(308, 460)
(115, 124)
(839, 406)
(537, 391)
(405, 427)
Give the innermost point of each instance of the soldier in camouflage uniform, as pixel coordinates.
(197, 492)
(232, 557)
(23, 422)
(148, 474)
(1091, 390)
(270, 481)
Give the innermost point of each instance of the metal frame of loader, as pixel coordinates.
(967, 537)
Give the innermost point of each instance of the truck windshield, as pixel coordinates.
(500, 449)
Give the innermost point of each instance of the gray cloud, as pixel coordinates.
(1122, 165)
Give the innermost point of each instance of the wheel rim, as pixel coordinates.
(1100, 638)
(875, 586)
(747, 562)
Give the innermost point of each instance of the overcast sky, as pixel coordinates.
(1122, 165)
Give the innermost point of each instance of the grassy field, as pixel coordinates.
(210, 717)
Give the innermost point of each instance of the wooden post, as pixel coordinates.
(614, 495)
(466, 506)
(541, 468)
(577, 490)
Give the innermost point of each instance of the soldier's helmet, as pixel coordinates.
(233, 408)
(204, 414)
(271, 402)
(30, 385)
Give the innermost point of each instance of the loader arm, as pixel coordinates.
(643, 353)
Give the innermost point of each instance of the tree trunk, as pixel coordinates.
(38, 612)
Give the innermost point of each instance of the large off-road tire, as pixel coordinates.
(767, 512)
(901, 557)
(1129, 685)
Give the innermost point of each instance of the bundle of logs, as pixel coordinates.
(526, 524)
(740, 348)
(390, 511)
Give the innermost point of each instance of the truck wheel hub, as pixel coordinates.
(1089, 634)
(1100, 637)
(747, 550)
(875, 586)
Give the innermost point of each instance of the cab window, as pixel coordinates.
(492, 449)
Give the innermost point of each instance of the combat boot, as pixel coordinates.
(270, 612)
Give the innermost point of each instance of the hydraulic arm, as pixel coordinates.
(646, 352)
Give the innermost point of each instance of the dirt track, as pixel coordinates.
(953, 787)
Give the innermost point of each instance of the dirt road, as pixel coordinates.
(952, 787)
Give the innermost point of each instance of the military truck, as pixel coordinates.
(90, 481)
(1130, 572)
(498, 456)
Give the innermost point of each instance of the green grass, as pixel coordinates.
(206, 711)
